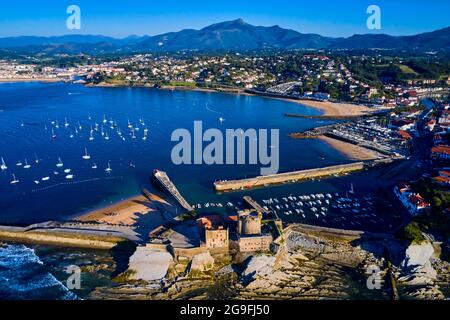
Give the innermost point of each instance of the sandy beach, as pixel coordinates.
(353, 152)
(336, 109)
(127, 212)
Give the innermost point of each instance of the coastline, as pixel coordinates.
(327, 108)
(45, 80)
(351, 151)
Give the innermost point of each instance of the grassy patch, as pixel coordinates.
(412, 233)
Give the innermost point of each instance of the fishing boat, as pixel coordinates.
(14, 181)
(60, 164)
(86, 155)
(108, 169)
(3, 165)
(26, 166)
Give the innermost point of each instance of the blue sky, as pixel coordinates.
(330, 18)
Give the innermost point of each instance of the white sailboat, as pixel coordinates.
(129, 124)
(104, 119)
(106, 136)
(36, 159)
(108, 170)
(3, 165)
(60, 164)
(26, 166)
(91, 136)
(53, 134)
(14, 181)
(66, 124)
(86, 155)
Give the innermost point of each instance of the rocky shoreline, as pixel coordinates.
(309, 265)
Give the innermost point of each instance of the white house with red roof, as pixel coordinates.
(413, 202)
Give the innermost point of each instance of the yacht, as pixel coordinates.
(86, 155)
(14, 181)
(60, 164)
(26, 166)
(108, 170)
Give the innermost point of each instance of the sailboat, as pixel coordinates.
(133, 136)
(53, 134)
(60, 164)
(91, 136)
(103, 132)
(66, 124)
(129, 124)
(14, 181)
(104, 119)
(144, 137)
(19, 163)
(26, 166)
(36, 159)
(108, 170)
(352, 189)
(3, 165)
(86, 155)
(79, 126)
(106, 136)
(57, 124)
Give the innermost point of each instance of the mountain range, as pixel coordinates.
(230, 35)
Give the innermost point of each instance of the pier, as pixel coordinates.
(255, 205)
(264, 181)
(162, 180)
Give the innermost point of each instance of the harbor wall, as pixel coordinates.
(295, 176)
(48, 237)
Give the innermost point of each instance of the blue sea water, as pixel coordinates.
(27, 111)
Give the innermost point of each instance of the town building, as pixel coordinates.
(413, 202)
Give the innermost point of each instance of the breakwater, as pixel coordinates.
(296, 176)
(64, 236)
